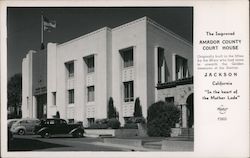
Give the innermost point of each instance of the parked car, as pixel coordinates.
(54, 126)
(24, 126)
(10, 122)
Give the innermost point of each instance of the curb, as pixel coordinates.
(130, 148)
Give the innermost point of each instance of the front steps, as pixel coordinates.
(182, 133)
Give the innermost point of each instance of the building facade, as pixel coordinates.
(138, 59)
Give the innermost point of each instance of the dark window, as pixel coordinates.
(127, 56)
(128, 91)
(54, 98)
(169, 100)
(63, 122)
(52, 122)
(71, 120)
(91, 93)
(181, 67)
(71, 96)
(70, 69)
(127, 119)
(91, 121)
(161, 66)
(90, 61)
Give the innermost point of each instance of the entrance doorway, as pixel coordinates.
(190, 107)
(41, 101)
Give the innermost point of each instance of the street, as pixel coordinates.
(68, 143)
(58, 143)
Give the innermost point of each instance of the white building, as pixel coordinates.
(138, 59)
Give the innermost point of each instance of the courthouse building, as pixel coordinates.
(138, 59)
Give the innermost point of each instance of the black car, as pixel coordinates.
(49, 127)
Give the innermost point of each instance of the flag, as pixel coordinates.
(48, 25)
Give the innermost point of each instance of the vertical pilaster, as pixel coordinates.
(184, 116)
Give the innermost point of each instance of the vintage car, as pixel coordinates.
(55, 126)
(24, 126)
(10, 122)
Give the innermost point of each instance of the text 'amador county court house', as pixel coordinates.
(138, 59)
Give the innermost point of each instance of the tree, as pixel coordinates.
(57, 114)
(112, 113)
(137, 108)
(14, 90)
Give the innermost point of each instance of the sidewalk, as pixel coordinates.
(149, 143)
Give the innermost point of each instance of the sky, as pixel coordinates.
(24, 26)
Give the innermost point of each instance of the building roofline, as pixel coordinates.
(157, 25)
(86, 35)
(145, 18)
(129, 23)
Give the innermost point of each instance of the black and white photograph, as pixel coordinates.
(112, 79)
(100, 79)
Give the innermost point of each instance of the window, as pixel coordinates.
(71, 120)
(90, 64)
(91, 93)
(63, 122)
(128, 91)
(91, 121)
(71, 96)
(162, 78)
(70, 69)
(54, 98)
(127, 119)
(127, 56)
(169, 100)
(50, 122)
(181, 67)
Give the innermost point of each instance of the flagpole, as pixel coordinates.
(42, 45)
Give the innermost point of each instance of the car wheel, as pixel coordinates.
(46, 135)
(78, 134)
(21, 132)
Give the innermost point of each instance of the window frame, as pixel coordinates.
(90, 98)
(161, 64)
(53, 98)
(128, 91)
(90, 61)
(127, 58)
(70, 69)
(91, 121)
(71, 96)
(185, 71)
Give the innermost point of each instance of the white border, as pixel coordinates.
(103, 3)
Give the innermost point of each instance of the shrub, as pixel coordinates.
(112, 113)
(101, 121)
(161, 117)
(130, 126)
(136, 120)
(137, 108)
(98, 126)
(139, 120)
(114, 123)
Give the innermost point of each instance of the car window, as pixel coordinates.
(63, 122)
(52, 122)
(11, 123)
(47, 122)
(23, 122)
(57, 121)
(29, 121)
